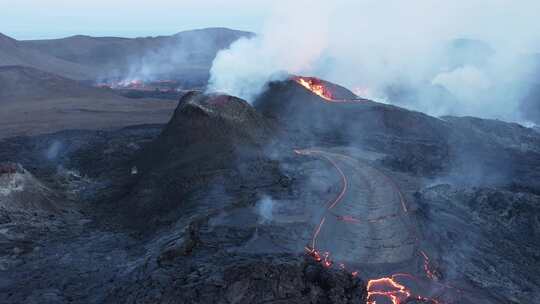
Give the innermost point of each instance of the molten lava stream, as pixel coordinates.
(390, 290)
(317, 87)
(381, 290)
(387, 288)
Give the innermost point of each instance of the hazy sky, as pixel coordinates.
(27, 19)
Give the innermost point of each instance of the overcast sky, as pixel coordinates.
(27, 19)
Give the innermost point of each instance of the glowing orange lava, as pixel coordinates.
(381, 290)
(386, 288)
(316, 86)
(431, 273)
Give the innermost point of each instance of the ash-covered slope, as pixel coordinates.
(487, 236)
(211, 141)
(495, 153)
(221, 121)
(191, 210)
(29, 209)
(196, 192)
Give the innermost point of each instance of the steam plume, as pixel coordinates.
(374, 46)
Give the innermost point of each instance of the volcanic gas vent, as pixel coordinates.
(210, 137)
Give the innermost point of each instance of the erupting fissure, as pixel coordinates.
(387, 288)
(321, 89)
(316, 86)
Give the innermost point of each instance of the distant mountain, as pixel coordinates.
(184, 53)
(13, 52)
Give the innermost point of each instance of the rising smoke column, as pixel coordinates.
(370, 46)
(293, 40)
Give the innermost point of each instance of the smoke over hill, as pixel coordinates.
(186, 55)
(413, 54)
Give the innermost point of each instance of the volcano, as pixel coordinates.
(202, 176)
(290, 103)
(309, 117)
(209, 137)
(301, 198)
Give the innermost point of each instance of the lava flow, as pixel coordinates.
(316, 86)
(431, 273)
(380, 290)
(389, 288)
(321, 89)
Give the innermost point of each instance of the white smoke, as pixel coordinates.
(463, 81)
(53, 150)
(249, 64)
(370, 46)
(265, 208)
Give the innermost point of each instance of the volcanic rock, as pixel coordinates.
(486, 236)
(214, 120)
(258, 279)
(209, 138)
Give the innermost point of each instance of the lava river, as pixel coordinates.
(367, 223)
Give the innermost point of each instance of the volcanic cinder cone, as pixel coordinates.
(210, 137)
(218, 120)
(293, 104)
(312, 119)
